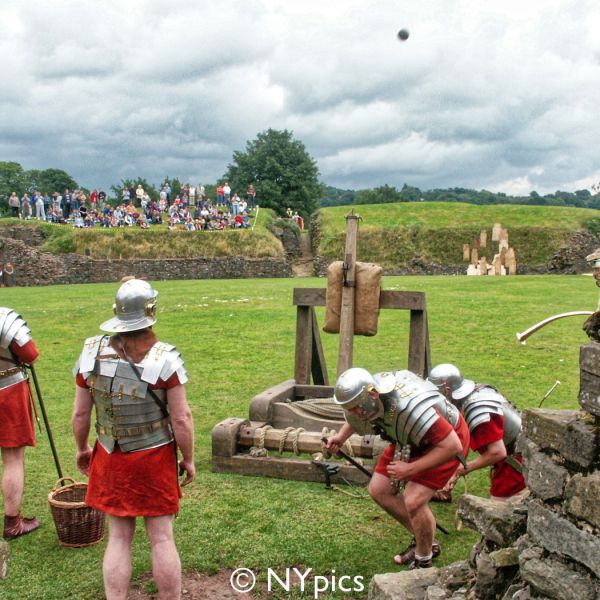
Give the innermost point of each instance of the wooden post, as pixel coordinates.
(483, 238)
(347, 311)
(466, 253)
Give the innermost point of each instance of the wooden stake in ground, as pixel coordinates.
(483, 238)
(347, 313)
(466, 253)
(496, 232)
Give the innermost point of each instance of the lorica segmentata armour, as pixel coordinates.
(126, 413)
(485, 401)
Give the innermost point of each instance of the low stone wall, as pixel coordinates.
(33, 267)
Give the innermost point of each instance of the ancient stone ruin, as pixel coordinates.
(545, 547)
(504, 261)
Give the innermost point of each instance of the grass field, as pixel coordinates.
(393, 235)
(237, 338)
(440, 215)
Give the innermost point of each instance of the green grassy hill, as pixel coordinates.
(393, 234)
(158, 241)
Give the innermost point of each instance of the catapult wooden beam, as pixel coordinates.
(232, 438)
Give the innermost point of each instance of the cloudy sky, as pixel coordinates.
(497, 95)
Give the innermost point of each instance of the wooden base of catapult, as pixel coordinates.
(276, 425)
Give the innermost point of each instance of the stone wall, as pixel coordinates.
(33, 267)
(548, 546)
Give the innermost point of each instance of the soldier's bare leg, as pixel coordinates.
(416, 501)
(13, 479)
(166, 566)
(381, 491)
(117, 557)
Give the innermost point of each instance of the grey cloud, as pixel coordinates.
(480, 95)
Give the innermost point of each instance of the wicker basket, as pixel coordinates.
(77, 524)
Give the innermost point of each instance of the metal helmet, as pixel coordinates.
(134, 307)
(352, 390)
(449, 375)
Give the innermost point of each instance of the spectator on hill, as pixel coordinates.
(77, 220)
(235, 205)
(81, 198)
(94, 199)
(139, 193)
(251, 196)
(227, 194)
(14, 204)
(26, 206)
(47, 203)
(66, 203)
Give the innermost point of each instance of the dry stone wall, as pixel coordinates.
(33, 267)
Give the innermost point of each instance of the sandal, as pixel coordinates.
(408, 556)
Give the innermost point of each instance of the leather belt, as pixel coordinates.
(9, 372)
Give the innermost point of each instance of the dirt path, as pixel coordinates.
(304, 266)
(194, 586)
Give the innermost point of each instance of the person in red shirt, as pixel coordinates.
(428, 438)
(17, 349)
(136, 385)
(494, 425)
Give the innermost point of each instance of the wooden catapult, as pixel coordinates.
(292, 417)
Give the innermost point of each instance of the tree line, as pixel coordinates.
(284, 176)
(386, 193)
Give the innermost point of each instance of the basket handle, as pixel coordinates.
(60, 483)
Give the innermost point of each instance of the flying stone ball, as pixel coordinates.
(403, 35)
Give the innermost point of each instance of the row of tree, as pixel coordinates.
(385, 193)
(284, 176)
(278, 166)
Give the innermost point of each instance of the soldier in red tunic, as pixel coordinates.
(428, 438)
(494, 425)
(16, 418)
(135, 384)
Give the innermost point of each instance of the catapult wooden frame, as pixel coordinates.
(275, 423)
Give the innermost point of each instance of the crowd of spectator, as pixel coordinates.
(189, 210)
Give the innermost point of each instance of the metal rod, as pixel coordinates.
(46, 422)
(556, 383)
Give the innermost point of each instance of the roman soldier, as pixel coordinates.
(17, 349)
(428, 439)
(494, 425)
(136, 385)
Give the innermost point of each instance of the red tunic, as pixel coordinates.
(16, 417)
(143, 483)
(506, 481)
(433, 478)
